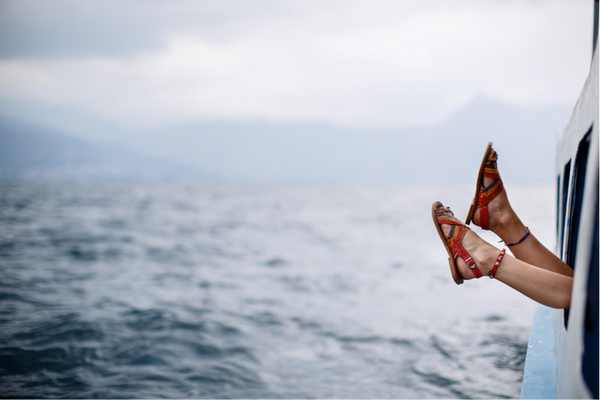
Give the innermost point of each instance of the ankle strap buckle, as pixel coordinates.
(470, 263)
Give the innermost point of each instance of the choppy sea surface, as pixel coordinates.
(177, 291)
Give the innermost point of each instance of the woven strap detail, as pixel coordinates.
(455, 239)
(488, 194)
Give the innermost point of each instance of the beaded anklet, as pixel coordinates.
(493, 271)
(520, 240)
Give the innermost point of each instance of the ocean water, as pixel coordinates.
(177, 291)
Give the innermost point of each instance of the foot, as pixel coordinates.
(499, 210)
(482, 252)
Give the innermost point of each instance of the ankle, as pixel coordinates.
(513, 232)
(507, 223)
(485, 257)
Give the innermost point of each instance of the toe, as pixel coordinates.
(446, 228)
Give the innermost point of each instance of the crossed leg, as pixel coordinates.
(546, 287)
(505, 223)
(534, 271)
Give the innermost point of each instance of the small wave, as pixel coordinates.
(265, 318)
(276, 262)
(441, 347)
(156, 320)
(229, 373)
(508, 351)
(7, 248)
(18, 360)
(78, 253)
(115, 223)
(370, 339)
(131, 352)
(15, 297)
(436, 379)
(306, 324)
(360, 339)
(494, 318)
(296, 284)
(65, 328)
(205, 284)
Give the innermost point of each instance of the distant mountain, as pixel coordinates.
(34, 153)
(312, 152)
(260, 152)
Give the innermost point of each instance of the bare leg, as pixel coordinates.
(505, 223)
(546, 287)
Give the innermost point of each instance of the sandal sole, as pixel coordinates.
(478, 186)
(451, 260)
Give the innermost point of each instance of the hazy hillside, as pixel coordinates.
(253, 151)
(28, 152)
(303, 152)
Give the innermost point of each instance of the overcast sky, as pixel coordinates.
(349, 63)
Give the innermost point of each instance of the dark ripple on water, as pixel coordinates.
(115, 291)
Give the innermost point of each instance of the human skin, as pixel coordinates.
(534, 271)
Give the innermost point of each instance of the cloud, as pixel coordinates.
(112, 28)
(369, 64)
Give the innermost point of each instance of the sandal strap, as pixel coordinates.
(487, 194)
(491, 168)
(455, 244)
(454, 241)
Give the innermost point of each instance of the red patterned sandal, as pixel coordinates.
(453, 243)
(483, 195)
